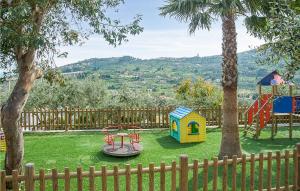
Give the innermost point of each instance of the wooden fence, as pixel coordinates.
(81, 119)
(274, 171)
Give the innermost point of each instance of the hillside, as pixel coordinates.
(162, 74)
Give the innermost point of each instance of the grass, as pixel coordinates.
(59, 150)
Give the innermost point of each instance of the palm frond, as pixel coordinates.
(181, 10)
(201, 13)
(196, 12)
(224, 7)
(200, 20)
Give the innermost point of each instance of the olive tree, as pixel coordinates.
(280, 29)
(31, 35)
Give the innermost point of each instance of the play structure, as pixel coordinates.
(2, 142)
(116, 144)
(268, 107)
(187, 126)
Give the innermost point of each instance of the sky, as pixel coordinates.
(162, 37)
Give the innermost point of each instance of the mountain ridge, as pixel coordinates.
(164, 74)
(149, 59)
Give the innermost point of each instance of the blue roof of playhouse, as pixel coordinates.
(181, 112)
(273, 78)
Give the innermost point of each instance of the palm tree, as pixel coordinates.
(200, 14)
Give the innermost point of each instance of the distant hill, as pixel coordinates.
(161, 74)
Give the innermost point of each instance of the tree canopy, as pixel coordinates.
(199, 93)
(280, 28)
(31, 35)
(47, 25)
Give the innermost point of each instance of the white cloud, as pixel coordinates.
(159, 43)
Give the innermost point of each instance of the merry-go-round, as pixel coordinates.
(120, 143)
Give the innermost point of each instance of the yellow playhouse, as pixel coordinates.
(187, 126)
(2, 142)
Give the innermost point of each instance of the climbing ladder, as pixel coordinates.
(258, 115)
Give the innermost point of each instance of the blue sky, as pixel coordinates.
(162, 37)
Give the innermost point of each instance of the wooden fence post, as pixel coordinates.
(3, 181)
(29, 177)
(246, 117)
(167, 116)
(257, 126)
(70, 121)
(220, 115)
(290, 125)
(119, 115)
(298, 161)
(66, 119)
(104, 178)
(139, 177)
(183, 173)
(128, 177)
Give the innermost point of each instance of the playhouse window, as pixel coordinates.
(193, 128)
(174, 126)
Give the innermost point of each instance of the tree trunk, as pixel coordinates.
(230, 144)
(11, 111)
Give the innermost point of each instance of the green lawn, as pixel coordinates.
(59, 150)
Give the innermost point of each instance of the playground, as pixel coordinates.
(83, 148)
(58, 150)
(276, 98)
(122, 147)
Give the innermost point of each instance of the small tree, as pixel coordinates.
(31, 34)
(199, 93)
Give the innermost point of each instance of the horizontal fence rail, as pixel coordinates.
(271, 171)
(81, 119)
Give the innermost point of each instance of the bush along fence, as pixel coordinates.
(271, 171)
(81, 119)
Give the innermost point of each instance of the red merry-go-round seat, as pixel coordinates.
(134, 139)
(110, 140)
